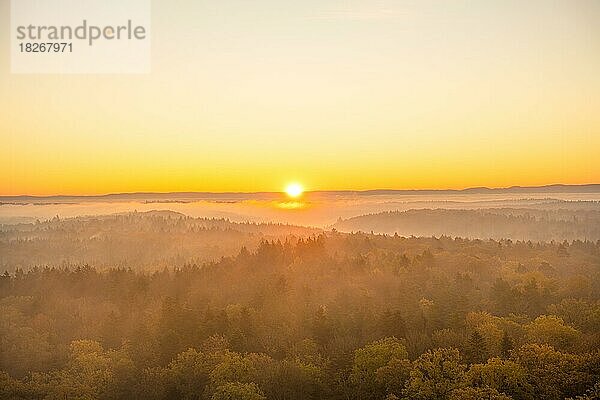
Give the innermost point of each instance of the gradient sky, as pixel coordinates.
(250, 95)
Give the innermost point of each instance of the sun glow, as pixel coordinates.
(294, 190)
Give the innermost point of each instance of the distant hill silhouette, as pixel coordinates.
(506, 223)
(239, 196)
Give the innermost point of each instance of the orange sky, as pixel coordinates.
(248, 96)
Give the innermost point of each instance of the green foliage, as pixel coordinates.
(386, 353)
(470, 393)
(580, 313)
(591, 394)
(552, 330)
(241, 368)
(555, 375)
(476, 348)
(91, 373)
(238, 391)
(506, 345)
(505, 376)
(393, 376)
(13, 389)
(294, 380)
(189, 373)
(436, 374)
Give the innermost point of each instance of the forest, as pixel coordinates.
(492, 223)
(139, 240)
(293, 313)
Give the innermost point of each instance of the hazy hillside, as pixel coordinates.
(139, 240)
(516, 224)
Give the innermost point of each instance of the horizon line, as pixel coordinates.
(360, 191)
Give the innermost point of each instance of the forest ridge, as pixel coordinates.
(302, 315)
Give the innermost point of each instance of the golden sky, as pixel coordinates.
(247, 96)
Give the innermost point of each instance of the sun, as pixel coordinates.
(294, 190)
